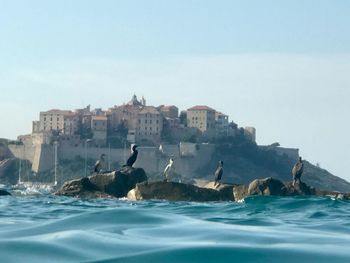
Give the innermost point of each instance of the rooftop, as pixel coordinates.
(149, 109)
(99, 118)
(201, 107)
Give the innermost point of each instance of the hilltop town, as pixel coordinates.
(67, 143)
(134, 122)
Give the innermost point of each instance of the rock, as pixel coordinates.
(267, 186)
(240, 192)
(114, 184)
(334, 195)
(225, 190)
(4, 192)
(174, 192)
(299, 188)
(271, 186)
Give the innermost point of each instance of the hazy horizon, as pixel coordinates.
(280, 67)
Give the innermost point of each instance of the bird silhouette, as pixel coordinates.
(297, 170)
(218, 173)
(99, 164)
(132, 159)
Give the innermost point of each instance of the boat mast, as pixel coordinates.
(19, 171)
(55, 162)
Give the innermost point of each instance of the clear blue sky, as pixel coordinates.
(281, 66)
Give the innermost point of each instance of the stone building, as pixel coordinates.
(62, 121)
(202, 118)
(171, 111)
(126, 114)
(149, 125)
(99, 129)
(250, 133)
(221, 125)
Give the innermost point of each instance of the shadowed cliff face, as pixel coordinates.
(245, 161)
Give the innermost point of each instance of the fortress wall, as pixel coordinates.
(70, 152)
(44, 158)
(290, 152)
(149, 158)
(24, 152)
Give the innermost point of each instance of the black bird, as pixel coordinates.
(218, 173)
(297, 170)
(99, 163)
(133, 156)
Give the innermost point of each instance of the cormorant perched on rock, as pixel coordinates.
(218, 173)
(168, 170)
(297, 170)
(99, 165)
(133, 156)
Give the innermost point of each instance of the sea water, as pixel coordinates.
(45, 228)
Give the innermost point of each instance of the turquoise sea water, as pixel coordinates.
(44, 228)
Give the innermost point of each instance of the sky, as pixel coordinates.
(280, 66)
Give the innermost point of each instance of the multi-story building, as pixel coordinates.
(126, 114)
(62, 121)
(171, 111)
(202, 118)
(35, 126)
(99, 129)
(149, 125)
(221, 125)
(250, 133)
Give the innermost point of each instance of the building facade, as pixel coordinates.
(149, 125)
(99, 129)
(250, 133)
(202, 118)
(171, 111)
(221, 124)
(62, 121)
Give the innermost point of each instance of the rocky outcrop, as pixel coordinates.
(4, 192)
(267, 186)
(175, 192)
(225, 190)
(114, 184)
(271, 186)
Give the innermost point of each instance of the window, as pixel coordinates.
(157, 121)
(145, 121)
(150, 121)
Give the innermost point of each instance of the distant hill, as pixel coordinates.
(323, 180)
(244, 161)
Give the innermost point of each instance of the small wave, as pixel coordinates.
(262, 229)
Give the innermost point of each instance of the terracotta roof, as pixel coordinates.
(201, 107)
(99, 118)
(149, 109)
(55, 111)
